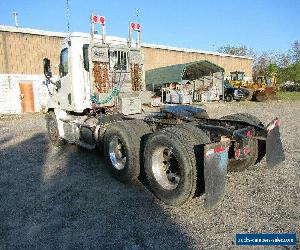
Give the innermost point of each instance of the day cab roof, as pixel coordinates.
(85, 38)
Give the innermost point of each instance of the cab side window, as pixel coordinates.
(63, 66)
(85, 49)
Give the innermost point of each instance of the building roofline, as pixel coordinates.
(146, 45)
(32, 31)
(158, 46)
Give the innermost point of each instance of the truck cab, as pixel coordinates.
(97, 72)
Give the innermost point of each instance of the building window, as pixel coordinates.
(240, 77)
(118, 60)
(85, 49)
(63, 66)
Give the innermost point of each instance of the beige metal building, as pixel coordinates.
(22, 51)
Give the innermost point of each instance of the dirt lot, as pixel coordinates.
(65, 198)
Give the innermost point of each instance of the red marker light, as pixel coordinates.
(133, 26)
(102, 20)
(138, 26)
(95, 19)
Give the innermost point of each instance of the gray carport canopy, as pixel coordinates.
(176, 73)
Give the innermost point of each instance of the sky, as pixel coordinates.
(263, 25)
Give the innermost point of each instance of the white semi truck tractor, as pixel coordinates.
(182, 151)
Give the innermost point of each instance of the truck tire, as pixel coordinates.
(258, 147)
(249, 95)
(122, 143)
(229, 98)
(143, 131)
(245, 117)
(141, 128)
(105, 121)
(52, 129)
(171, 164)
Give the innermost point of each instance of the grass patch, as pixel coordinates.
(289, 96)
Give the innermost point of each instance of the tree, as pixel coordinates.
(283, 59)
(236, 50)
(271, 69)
(290, 73)
(261, 63)
(286, 65)
(295, 51)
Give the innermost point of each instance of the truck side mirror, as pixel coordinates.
(47, 68)
(58, 84)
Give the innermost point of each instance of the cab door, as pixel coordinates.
(65, 88)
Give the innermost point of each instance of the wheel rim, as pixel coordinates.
(165, 168)
(52, 130)
(117, 153)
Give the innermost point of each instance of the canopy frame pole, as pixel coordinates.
(223, 86)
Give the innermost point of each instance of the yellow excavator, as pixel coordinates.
(262, 89)
(265, 88)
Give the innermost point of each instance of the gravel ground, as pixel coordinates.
(65, 198)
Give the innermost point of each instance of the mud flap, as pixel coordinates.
(215, 170)
(274, 148)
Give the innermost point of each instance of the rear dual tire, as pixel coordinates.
(174, 180)
(122, 148)
(171, 166)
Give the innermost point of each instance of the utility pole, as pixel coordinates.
(16, 18)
